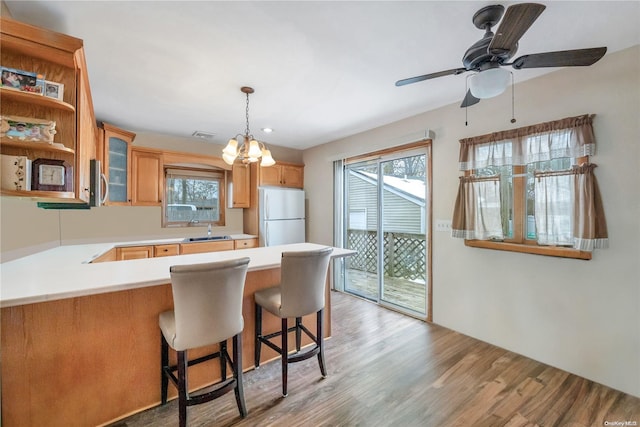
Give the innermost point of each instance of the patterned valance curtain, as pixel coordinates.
(568, 207)
(571, 137)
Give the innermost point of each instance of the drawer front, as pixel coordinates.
(246, 243)
(166, 250)
(133, 252)
(197, 248)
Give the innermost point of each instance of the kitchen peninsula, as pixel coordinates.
(80, 340)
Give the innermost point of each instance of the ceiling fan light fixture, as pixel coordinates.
(489, 83)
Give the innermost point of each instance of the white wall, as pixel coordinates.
(580, 316)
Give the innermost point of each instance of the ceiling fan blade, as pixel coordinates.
(469, 100)
(562, 58)
(453, 71)
(516, 21)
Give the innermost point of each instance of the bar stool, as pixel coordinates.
(301, 292)
(207, 301)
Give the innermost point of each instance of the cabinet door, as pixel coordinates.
(117, 164)
(270, 175)
(134, 252)
(292, 176)
(117, 158)
(146, 178)
(240, 189)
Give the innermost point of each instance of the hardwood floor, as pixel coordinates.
(388, 369)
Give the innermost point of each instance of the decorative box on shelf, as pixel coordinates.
(16, 173)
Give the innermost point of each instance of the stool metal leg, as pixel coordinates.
(298, 333)
(223, 360)
(320, 343)
(182, 388)
(258, 343)
(285, 356)
(164, 363)
(237, 373)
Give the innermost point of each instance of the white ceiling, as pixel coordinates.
(321, 70)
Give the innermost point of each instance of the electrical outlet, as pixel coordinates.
(443, 225)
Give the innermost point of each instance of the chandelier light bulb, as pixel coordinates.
(254, 150)
(232, 148)
(267, 160)
(228, 159)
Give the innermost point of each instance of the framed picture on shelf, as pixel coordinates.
(51, 175)
(21, 80)
(27, 129)
(53, 90)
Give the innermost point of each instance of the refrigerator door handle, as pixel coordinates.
(266, 234)
(266, 206)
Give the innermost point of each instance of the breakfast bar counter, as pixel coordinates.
(81, 343)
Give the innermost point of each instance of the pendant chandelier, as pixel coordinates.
(249, 150)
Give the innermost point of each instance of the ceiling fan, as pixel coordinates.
(487, 56)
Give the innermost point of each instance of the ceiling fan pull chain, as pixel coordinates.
(466, 105)
(513, 114)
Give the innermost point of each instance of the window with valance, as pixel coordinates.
(532, 189)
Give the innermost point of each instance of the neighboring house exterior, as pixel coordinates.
(403, 203)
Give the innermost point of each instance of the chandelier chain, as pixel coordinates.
(247, 132)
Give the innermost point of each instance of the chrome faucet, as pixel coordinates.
(209, 231)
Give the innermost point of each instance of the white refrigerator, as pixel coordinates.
(281, 216)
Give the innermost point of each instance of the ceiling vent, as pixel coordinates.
(203, 135)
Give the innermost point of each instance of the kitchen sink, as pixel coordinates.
(207, 238)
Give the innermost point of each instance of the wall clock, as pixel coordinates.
(51, 175)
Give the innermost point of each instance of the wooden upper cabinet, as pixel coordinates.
(240, 189)
(57, 58)
(270, 175)
(282, 175)
(146, 177)
(117, 163)
(292, 176)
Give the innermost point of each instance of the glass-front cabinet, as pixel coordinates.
(117, 163)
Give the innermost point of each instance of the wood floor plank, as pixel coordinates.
(386, 369)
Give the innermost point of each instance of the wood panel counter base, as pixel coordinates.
(95, 359)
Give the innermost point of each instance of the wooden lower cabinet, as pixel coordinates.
(134, 252)
(200, 247)
(149, 251)
(93, 360)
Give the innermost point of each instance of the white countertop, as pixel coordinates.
(65, 271)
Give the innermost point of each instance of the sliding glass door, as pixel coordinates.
(361, 201)
(385, 220)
